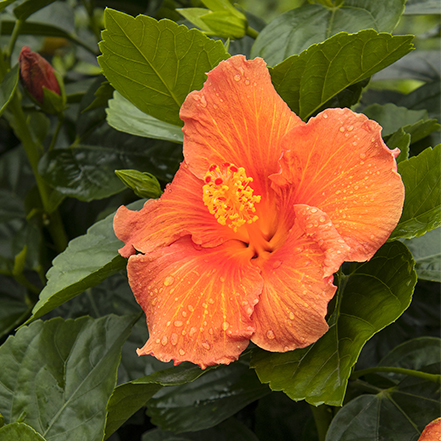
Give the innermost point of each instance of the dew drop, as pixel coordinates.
(236, 77)
(350, 128)
(210, 331)
(342, 129)
(203, 101)
(277, 263)
(164, 340)
(181, 351)
(158, 341)
(291, 315)
(250, 311)
(285, 348)
(325, 115)
(169, 280)
(362, 155)
(314, 210)
(168, 323)
(225, 326)
(215, 106)
(178, 323)
(206, 345)
(211, 301)
(322, 219)
(270, 335)
(184, 314)
(247, 82)
(174, 339)
(190, 308)
(193, 331)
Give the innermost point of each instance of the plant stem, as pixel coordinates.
(14, 36)
(57, 130)
(322, 417)
(410, 372)
(251, 32)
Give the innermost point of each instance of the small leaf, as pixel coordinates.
(426, 251)
(86, 262)
(7, 87)
(374, 295)
(145, 185)
(55, 369)
(102, 95)
(296, 30)
(155, 64)
(307, 81)
(422, 207)
(129, 397)
(216, 396)
(124, 116)
(19, 432)
(28, 7)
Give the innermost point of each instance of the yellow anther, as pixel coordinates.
(228, 195)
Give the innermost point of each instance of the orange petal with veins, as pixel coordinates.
(432, 432)
(198, 301)
(339, 163)
(180, 211)
(293, 304)
(237, 117)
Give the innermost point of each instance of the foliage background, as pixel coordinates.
(71, 371)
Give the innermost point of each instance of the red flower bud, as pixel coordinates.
(36, 73)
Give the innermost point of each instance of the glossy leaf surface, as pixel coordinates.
(296, 30)
(7, 87)
(371, 297)
(309, 80)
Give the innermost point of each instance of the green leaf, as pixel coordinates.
(129, 397)
(204, 403)
(19, 432)
(401, 140)
(86, 171)
(422, 207)
(426, 251)
(399, 412)
(87, 261)
(231, 430)
(7, 87)
(145, 185)
(309, 80)
(155, 64)
(28, 7)
(58, 375)
(5, 3)
(374, 295)
(102, 95)
(124, 116)
(296, 30)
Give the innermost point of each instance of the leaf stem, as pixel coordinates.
(251, 32)
(57, 130)
(15, 33)
(322, 416)
(410, 372)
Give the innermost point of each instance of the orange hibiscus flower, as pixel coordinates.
(264, 209)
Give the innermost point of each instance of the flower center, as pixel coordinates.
(228, 195)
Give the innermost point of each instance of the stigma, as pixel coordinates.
(228, 195)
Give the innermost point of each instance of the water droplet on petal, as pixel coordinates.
(164, 340)
(236, 77)
(277, 263)
(225, 326)
(322, 219)
(270, 335)
(362, 155)
(169, 280)
(291, 315)
(193, 331)
(178, 323)
(174, 339)
(203, 101)
(181, 351)
(206, 345)
(342, 129)
(247, 82)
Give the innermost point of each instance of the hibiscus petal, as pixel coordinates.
(318, 226)
(237, 117)
(339, 163)
(180, 211)
(293, 304)
(198, 301)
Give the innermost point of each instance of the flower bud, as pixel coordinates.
(36, 75)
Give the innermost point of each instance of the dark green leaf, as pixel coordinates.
(401, 140)
(374, 295)
(19, 432)
(102, 95)
(422, 207)
(124, 116)
(296, 30)
(307, 81)
(130, 397)
(86, 262)
(426, 251)
(5, 3)
(400, 412)
(7, 87)
(28, 7)
(144, 185)
(426, 97)
(58, 375)
(13, 307)
(204, 403)
(156, 64)
(86, 171)
(229, 430)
